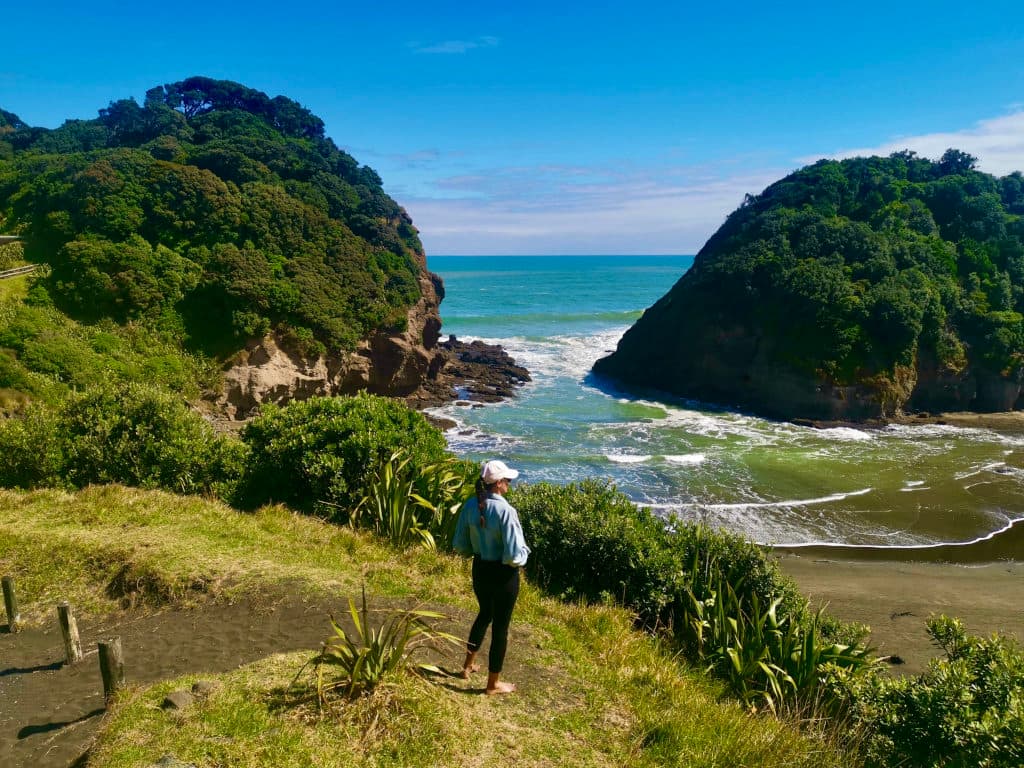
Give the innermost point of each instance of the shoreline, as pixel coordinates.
(998, 421)
(895, 598)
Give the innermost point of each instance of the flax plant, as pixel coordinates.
(353, 663)
(406, 503)
(768, 660)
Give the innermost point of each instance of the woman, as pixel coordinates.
(489, 530)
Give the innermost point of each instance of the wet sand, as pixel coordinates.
(896, 598)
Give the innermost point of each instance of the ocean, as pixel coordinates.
(927, 491)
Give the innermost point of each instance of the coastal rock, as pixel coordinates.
(470, 373)
(269, 370)
(411, 364)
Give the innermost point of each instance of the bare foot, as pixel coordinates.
(501, 688)
(467, 671)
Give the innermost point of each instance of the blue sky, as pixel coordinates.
(572, 127)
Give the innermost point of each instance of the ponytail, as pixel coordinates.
(481, 498)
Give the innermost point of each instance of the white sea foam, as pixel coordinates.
(687, 459)
(623, 458)
(978, 470)
(914, 483)
(845, 433)
(779, 504)
(917, 546)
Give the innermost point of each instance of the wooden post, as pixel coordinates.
(111, 666)
(69, 628)
(11, 604)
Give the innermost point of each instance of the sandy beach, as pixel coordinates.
(896, 598)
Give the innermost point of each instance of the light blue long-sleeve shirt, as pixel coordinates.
(501, 538)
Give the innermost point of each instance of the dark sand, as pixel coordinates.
(896, 598)
(49, 713)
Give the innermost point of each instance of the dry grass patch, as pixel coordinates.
(108, 547)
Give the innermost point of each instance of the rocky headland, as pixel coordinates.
(414, 365)
(848, 291)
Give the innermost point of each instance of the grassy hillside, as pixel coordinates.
(206, 216)
(594, 691)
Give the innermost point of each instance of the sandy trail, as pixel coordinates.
(49, 713)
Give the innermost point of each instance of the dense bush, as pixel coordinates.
(320, 454)
(45, 354)
(878, 272)
(136, 435)
(212, 209)
(966, 710)
(726, 605)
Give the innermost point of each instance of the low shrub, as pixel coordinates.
(724, 602)
(32, 449)
(133, 434)
(965, 710)
(590, 541)
(320, 454)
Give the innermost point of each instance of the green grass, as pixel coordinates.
(14, 288)
(593, 692)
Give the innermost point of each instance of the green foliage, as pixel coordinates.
(590, 541)
(847, 273)
(390, 505)
(408, 503)
(768, 659)
(726, 604)
(136, 435)
(965, 710)
(33, 449)
(320, 454)
(215, 209)
(355, 663)
(45, 354)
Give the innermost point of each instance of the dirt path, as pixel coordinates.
(50, 713)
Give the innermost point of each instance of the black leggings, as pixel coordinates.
(496, 586)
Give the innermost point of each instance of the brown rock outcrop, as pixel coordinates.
(411, 364)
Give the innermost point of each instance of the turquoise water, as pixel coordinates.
(901, 487)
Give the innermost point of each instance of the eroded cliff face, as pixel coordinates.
(708, 359)
(397, 364)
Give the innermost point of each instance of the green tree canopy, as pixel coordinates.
(214, 209)
(898, 275)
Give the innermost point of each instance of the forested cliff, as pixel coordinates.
(849, 290)
(220, 217)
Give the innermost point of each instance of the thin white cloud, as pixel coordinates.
(998, 143)
(536, 211)
(456, 46)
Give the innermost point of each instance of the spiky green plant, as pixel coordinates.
(407, 503)
(391, 506)
(768, 659)
(440, 490)
(354, 663)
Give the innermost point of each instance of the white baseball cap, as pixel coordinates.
(493, 471)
